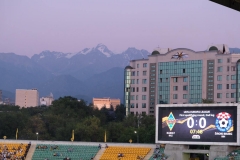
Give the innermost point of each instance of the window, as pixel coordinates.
(192, 69)
(144, 73)
(144, 97)
(227, 95)
(220, 69)
(175, 88)
(166, 79)
(232, 95)
(175, 79)
(160, 80)
(137, 73)
(228, 60)
(160, 88)
(144, 81)
(219, 78)
(160, 71)
(133, 73)
(132, 105)
(137, 65)
(144, 65)
(227, 86)
(233, 68)
(133, 89)
(185, 88)
(184, 70)
(175, 71)
(185, 79)
(184, 96)
(137, 89)
(227, 77)
(233, 77)
(143, 105)
(219, 95)
(219, 86)
(132, 81)
(153, 66)
(219, 60)
(166, 71)
(160, 96)
(137, 81)
(136, 105)
(175, 96)
(132, 97)
(233, 86)
(228, 68)
(136, 97)
(144, 89)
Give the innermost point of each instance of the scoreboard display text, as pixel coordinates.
(204, 124)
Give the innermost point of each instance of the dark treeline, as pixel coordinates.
(66, 114)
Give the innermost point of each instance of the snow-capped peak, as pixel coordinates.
(86, 51)
(104, 50)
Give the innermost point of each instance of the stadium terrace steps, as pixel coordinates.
(100, 153)
(150, 153)
(74, 152)
(129, 153)
(31, 152)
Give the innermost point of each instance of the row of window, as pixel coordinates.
(136, 105)
(233, 77)
(180, 62)
(220, 60)
(219, 86)
(220, 69)
(144, 65)
(144, 73)
(144, 97)
(228, 95)
(166, 71)
(144, 89)
(132, 81)
(184, 96)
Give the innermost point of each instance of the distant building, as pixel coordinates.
(107, 102)
(1, 101)
(27, 98)
(46, 101)
(181, 76)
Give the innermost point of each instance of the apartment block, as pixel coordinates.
(105, 102)
(181, 76)
(27, 98)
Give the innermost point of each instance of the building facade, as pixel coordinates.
(105, 102)
(27, 98)
(46, 101)
(181, 76)
(1, 101)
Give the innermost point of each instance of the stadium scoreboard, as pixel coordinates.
(202, 123)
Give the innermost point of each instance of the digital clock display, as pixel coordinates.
(205, 124)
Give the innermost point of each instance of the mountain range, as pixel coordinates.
(92, 72)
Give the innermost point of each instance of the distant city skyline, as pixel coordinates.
(30, 27)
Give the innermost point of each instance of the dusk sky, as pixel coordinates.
(28, 27)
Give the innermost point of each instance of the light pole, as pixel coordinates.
(37, 135)
(137, 136)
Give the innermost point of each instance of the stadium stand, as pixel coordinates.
(124, 153)
(67, 152)
(158, 154)
(16, 151)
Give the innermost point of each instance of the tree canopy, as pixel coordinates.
(57, 121)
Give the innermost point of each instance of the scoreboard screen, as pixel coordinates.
(203, 124)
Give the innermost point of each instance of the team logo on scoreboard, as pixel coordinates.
(223, 121)
(171, 121)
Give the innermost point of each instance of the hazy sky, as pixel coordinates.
(28, 27)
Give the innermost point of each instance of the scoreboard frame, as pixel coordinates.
(159, 138)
